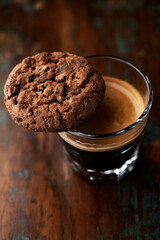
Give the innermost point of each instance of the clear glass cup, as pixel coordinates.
(101, 157)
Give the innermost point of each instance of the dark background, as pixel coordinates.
(40, 196)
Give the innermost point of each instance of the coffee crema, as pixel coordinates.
(122, 105)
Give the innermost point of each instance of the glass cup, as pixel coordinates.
(101, 157)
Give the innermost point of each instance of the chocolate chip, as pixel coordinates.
(32, 77)
(47, 69)
(19, 119)
(15, 90)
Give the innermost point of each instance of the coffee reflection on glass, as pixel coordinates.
(107, 147)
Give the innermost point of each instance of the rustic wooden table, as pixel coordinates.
(40, 196)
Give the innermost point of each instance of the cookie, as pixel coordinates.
(53, 92)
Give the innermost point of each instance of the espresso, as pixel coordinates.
(100, 161)
(107, 147)
(122, 105)
(93, 156)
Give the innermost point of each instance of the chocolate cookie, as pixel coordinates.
(53, 92)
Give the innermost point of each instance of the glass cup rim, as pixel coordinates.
(141, 117)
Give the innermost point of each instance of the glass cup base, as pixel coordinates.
(113, 175)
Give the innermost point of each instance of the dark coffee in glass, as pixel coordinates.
(107, 147)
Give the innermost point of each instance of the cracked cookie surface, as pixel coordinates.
(53, 92)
